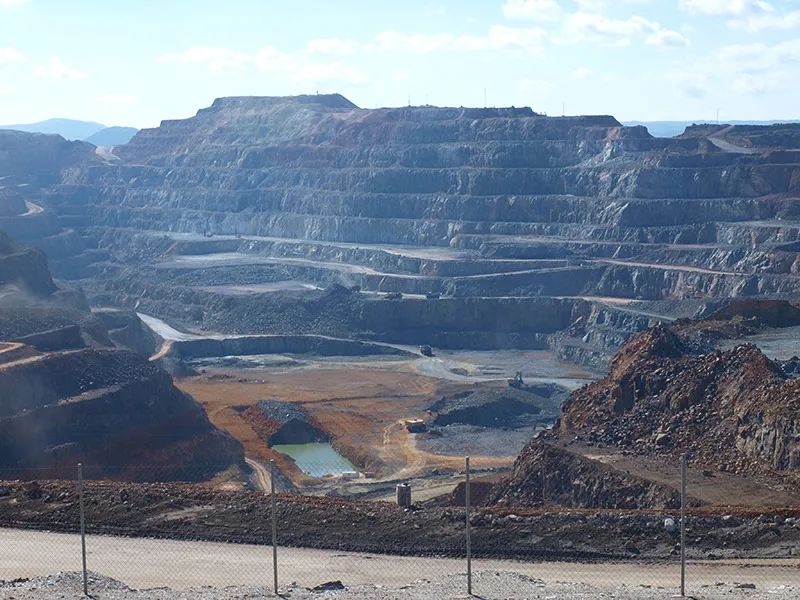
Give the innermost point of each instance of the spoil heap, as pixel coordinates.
(278, 422)
(489, 408)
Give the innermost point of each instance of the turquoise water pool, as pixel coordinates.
(316, 459)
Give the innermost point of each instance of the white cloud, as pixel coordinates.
(591, 5)
(336, 46)
(300, 68)
(581, 73)
(670, 39)
(216, 59)
(6, 89)
(56, 70)
(582, 27)
(742, 69)
(505, 38)
(116, 99)
(418, 43)
(403, 77)
(770, 20)
(725, 8)
(752, 84)
(499, 37)
(9, 55)
(534, 10)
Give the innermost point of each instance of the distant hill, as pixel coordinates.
(89, 131)
(112, 136)
(69, 129)
(673, 128)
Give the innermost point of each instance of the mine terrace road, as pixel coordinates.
(728, 147)
(686, 268)
(148, 563)
(262, 474)
(33, 209)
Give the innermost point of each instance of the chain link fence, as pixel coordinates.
(174, 532)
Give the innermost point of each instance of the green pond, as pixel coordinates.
(316, 459)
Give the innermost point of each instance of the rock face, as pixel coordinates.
(24, 268)
(250, 205)
(734, 412)
(544, 475)
(109, 409)
(35, 311)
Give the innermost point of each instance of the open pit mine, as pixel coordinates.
(401, 287)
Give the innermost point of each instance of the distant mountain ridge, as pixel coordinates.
(71, 129)
(674, 128)
(112, 136)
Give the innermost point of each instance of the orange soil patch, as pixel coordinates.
(358, 407)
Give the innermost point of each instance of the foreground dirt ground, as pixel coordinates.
(713, 487)
(360, 406)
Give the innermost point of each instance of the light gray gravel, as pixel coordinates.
(487, 585)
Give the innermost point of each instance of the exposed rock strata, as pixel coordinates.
(470, 203)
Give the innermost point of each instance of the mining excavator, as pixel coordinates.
(516, 381)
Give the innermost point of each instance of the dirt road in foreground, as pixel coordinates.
(148, 563)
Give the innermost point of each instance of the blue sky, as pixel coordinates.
(137, 62)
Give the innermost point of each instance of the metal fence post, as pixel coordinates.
(274, 527)
(469, 527)
(683, 525)
(83, 529)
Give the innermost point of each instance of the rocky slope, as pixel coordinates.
(65, 398)
(23, 269)
(733, 412)
(111, 410)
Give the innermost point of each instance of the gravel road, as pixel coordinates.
(148, 563)
(262, 473)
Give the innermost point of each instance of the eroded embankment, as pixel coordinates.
(196, 512)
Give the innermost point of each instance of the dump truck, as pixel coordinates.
(416, 426)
